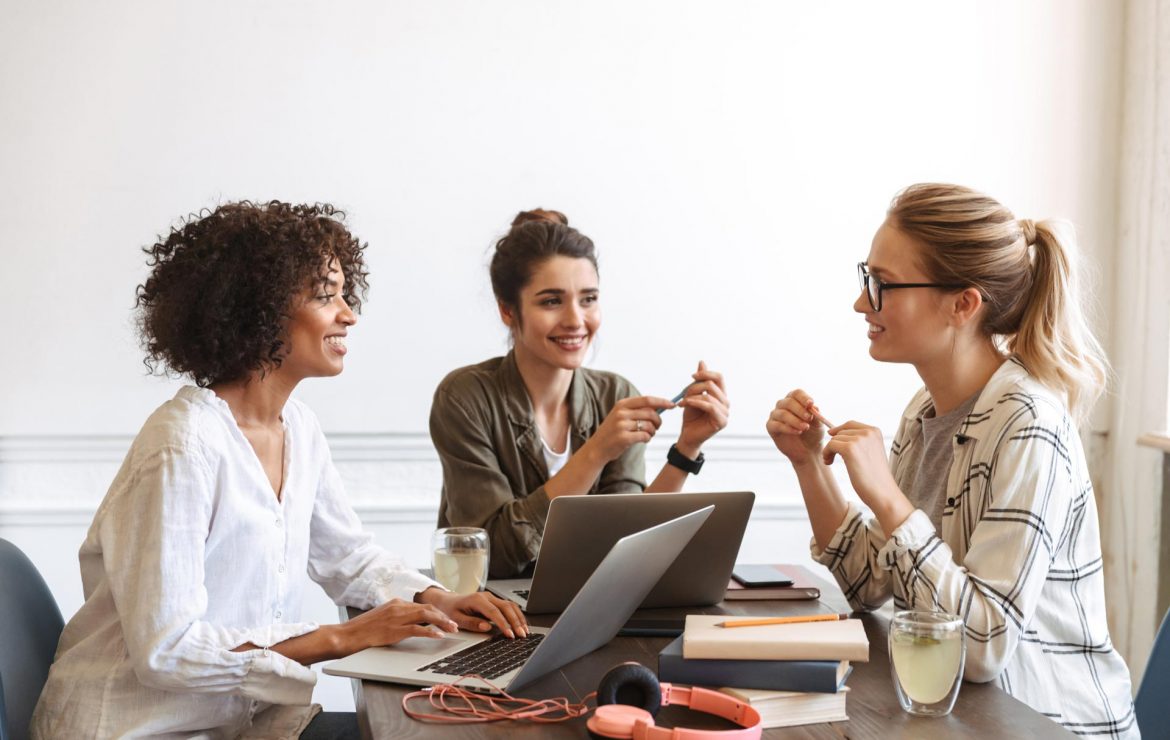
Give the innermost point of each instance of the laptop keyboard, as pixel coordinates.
(490, 658)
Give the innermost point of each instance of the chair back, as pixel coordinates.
(30, 627)
(1152, 705)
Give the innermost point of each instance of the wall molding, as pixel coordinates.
(346, 447)
(392, 478)
(23, 514)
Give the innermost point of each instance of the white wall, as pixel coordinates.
(730, 160)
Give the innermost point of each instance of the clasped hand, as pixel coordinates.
(799, 435)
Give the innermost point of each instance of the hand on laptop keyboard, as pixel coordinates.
(393, 622)
(478, 611)
(490, 658)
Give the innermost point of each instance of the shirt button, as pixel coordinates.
(278, 614)
(280, 569)
(278, 521)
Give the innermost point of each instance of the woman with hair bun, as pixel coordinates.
(984, 508)
(194, 565)
(517, 431)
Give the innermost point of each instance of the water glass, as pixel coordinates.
(927, 651)
(459, 557)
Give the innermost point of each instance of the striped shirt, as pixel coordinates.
(1019, 557)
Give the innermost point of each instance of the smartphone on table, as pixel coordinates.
(759, 576)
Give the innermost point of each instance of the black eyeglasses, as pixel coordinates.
(873, 286)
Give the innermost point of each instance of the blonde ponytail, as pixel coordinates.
(1054, 340)
(1027, 275)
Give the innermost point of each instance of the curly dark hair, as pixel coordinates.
(224, 283)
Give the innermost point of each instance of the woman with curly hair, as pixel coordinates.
(191, 624)
(517, 431)
(984, 508)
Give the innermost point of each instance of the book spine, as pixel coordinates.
(775, 675)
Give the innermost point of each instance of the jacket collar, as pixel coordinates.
(519, 405)
(1009, 376)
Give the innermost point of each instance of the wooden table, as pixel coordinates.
(982, 710)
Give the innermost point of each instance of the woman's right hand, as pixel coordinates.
(795, 429)
(393, 622)
(630, 421)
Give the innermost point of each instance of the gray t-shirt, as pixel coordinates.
(928, 460)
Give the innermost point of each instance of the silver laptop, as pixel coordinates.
(608, 598)
(580, 530)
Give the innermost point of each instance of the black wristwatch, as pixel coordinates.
(684, 463)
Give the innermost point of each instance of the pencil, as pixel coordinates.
(782, 620)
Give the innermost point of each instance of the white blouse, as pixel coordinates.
(190, 555)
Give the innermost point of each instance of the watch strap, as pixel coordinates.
(684, 463)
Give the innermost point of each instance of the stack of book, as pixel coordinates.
(793, 674)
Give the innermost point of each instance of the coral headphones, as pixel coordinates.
(629, 697)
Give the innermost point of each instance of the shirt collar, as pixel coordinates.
(1009, 375)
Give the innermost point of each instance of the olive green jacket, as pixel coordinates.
(484, 430)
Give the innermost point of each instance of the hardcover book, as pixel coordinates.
(790, 708)
(822, 676)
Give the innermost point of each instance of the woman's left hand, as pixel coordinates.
(863, 450)
(705, 410)
(470, 611)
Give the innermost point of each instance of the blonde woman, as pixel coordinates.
(984, 508)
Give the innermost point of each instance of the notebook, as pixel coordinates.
(838, 640)
(608, 598)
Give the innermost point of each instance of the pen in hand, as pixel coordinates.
(676, 399)
(828, 424)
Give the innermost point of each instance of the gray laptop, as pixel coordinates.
(608, 598)
(580, 530)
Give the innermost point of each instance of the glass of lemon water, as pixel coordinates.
(927, 651)
(459, 556)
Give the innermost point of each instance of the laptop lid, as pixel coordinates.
(580, 530)
(602, 605)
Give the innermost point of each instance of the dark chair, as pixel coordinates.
(30, 626)
(1152, 705)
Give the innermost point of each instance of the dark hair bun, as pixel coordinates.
(540, 214)
(535, 236)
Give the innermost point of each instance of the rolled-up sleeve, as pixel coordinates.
(152, 536)
(344, 559)
(852, 557)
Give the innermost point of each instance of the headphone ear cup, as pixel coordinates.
(633, 684)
